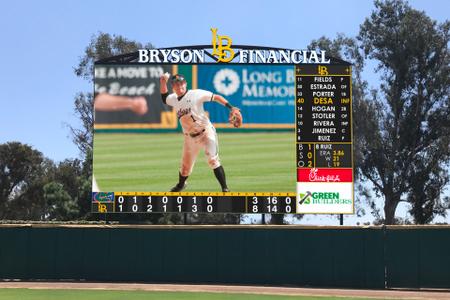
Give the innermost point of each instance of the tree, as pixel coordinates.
(32, 187)
(83, 137)
(85, 186)
(59, 204)
(73, 175)
(22, 172)
(405, 150)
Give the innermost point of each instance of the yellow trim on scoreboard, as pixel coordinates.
(338, 143)
(124, 193)
(244, 194)
(351, 133)
(323, 75)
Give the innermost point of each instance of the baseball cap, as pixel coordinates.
(176, 78)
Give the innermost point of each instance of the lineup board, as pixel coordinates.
(324, 139)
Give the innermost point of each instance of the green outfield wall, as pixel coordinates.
(344, 257)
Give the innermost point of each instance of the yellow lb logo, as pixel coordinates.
(222, 51)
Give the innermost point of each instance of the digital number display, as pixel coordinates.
(244, 203)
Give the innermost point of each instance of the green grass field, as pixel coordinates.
(41, 294)
(254, 162)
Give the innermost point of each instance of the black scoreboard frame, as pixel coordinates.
(202, 202)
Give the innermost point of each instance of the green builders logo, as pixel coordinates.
(322, 198)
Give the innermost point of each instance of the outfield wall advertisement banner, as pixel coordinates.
(264, 93)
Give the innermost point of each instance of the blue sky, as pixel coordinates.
(43, 40)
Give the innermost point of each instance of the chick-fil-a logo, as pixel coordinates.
(314, 176)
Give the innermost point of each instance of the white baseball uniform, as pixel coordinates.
(199, 133)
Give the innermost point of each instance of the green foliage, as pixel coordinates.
(75, 176)
(104, 45)
(342, 47)
(402, 129)
(32, 187)
(406, 142)
(22, 170)
(59, 204)
(82, 137)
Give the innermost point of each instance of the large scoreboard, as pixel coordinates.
(310, 102)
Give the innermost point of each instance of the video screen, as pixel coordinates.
(231, 138)
(144, 143)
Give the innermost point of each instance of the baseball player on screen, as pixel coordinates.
(199, 133)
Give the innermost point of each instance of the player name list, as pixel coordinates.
(323, 104)
(323, 116)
